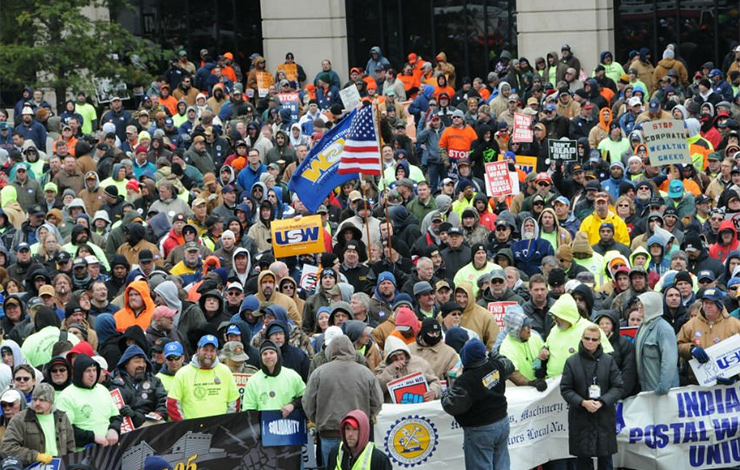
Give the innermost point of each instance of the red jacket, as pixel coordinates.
(718, 250)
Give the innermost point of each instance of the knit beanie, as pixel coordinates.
(430, 325)
(456, 338)
(473, 353)
(581, 245)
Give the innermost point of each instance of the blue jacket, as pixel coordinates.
(35, 132)
(421, 102)
(247, 176)
(327, 98)
(724, 89)
(611, 186)
(528, 254)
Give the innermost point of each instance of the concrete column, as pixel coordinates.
(312, 30)
(586, 25)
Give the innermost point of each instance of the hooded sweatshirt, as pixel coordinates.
(720, 251)
(655, 348)
(528, 253)
(37, 348)
(91, 410)
(522, 354)
(564, 342)
(127, 317)
(272, 390)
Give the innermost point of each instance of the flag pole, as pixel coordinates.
(376, 123)
(367, 220)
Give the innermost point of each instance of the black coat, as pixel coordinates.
(591, 434)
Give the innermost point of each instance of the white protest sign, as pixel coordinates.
(724, 361)
(498, 179)
(523, 128)
(666, 142)
(309, 278)
(408, 389)
(350, 97)
(498, 310)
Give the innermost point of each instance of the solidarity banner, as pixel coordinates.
(666, 142)
(226, 441)
(291, 237)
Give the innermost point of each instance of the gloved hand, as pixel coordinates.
(44, 458)
(539, 384)
(541, 373)
(126, 411)
(727, 381)
(700, 354)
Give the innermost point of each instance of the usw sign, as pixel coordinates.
(293, 237)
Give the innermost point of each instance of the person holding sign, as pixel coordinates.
(399, 363)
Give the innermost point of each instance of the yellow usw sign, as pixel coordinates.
(293, 237)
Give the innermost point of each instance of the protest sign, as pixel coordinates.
(666, 142)
(629, 331)
(350, 97)
(290, 101)
(241, 383)
(279, 431)
(309, 277)
(127, 425)
(526, 164)
(498, 179)
(724, 362)
(297, 236)
(408, 389)
(523, 128)
(562, 150)
(498, 310)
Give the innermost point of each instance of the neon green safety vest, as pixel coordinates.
(363, 461)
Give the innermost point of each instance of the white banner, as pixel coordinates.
(691, 427)
(666, 142)
(724, 361)
(423, 434)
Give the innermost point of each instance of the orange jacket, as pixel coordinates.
(127, 317)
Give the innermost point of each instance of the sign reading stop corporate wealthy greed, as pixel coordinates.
(291, 237)
(498, 309)
(724, 361)
(666, 142)
(562, 150)
(498, 179)
(523, 128)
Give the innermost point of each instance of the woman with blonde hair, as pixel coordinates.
(47, 251)
(626, 210)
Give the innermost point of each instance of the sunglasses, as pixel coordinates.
(22, 379)
(497, 281)
(58, 371)
(543, 184)
(591, 340)
(456, 314)
(172, 358)
(232, 293)
(623, 205)
(502, 228)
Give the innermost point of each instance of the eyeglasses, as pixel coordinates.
(7, 405)
(22, 379)
(456, 314)
(502, 228)
(623, 205)
(718, 219)
(58, 371)
(497, 281)
(456, 117)
(233, 293)
(591, 340)
(172, 358)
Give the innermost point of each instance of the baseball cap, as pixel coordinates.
(601, 196)
(442, 284)
(206, 340)
(179, 218)
(233, 330)
(454, 231)
(563, 200)
(23, 247)
(634, 101)
(458, 113)
(79, 262)
(675, 189)
(654, 105)
(191, 246)
(173, 349)
(705, 274)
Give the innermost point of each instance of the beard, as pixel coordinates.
(205, 361)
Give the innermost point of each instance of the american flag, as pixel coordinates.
(361, 148)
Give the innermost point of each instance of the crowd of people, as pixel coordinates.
(137, 254)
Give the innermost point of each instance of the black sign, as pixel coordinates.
(562, 150)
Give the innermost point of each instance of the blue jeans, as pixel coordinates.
(327, 444)
(437, 172)
(487, 447)
(586, 463)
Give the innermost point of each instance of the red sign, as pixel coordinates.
(408, 389)
(523, 128)
(498, 309)
(498, 179)
(127, 425)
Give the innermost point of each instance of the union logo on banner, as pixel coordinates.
(411, 441)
